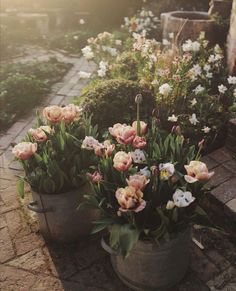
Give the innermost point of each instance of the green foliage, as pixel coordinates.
(23, 86)
(126, 67)
(112, 101)
(72, 42)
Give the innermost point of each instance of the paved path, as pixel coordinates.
(27, 263)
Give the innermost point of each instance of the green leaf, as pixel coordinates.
(21, 187)
(98, 228)
(115, 235)
(38, 158)
(128, 238)
(200, 211)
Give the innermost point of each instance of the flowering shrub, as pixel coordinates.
(51, 153)
(144, 23)
(111, 101)
(147, 184)
(193, 90)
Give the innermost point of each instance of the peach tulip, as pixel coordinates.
(139, 182)
(122, 161)
(130, 199)
(197, 171)
(53, 113)
(24, 150)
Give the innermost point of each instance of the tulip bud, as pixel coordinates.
(138, 98)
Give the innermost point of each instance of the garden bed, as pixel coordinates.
(23, 86)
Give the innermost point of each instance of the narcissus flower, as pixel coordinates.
(197, 171)
(130, 199)
(24, 150)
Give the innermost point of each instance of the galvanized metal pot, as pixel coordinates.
(59, 219)
(150, 267)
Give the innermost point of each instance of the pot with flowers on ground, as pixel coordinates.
(54, 164)
(148, 193)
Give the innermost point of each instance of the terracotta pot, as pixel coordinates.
(188, 25)
(152, 267)
(59, 219)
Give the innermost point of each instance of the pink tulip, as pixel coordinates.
(39, 134)
(96, 177)
(53, 113)
(139, 182)
(24, 150)
(197, 171)
(143, 127)
(130, 199)
(123, 133)
(122, 161)
(139, 142)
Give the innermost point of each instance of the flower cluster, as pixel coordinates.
(50, 153)
(142, 23)
(143, 174)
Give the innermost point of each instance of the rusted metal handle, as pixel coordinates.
(33, 206)
(107, 248)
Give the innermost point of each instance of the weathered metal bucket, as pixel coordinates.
(150, 267)
(59, 219)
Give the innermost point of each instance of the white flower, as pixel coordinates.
(81, 21)
(75, 37)
(165, 41)
(209, 75)
(170, 205)
(198, 89)
(87, 52)
(196, 70)
(138, 156)
(206, 129)
(207, 67)
(222, 89)
(193, 102)
(84, 75)
(183, 199)
(232, 80)
(234, 93)
(173, 118)
(190, 45)
(171, 35)
(102, 69)
(214, 58)
(145, 172)
(193, 119)
(155, 82)
(165, 89)
(118, 42)
(101, 73)
(166, 171)
(89, 143)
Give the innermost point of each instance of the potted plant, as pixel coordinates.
(53, 163)
(148, 185)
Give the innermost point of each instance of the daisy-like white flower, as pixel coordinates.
(183, 199)
(87, 52)
(193, 119)
(193, 102)
(198, 89)
(165, 42)
(191, 46)
(206, 129)
(173, 118)
(222, 89)
(165, 89)
(232, 80)
(81, 21)
(84, 75)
